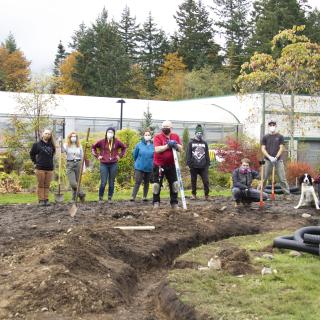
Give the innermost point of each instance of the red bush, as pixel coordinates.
(296, 169)
(237, 149)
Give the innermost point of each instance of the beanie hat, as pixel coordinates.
(111, 129)
(199, 128)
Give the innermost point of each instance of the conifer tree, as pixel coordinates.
(60, 56)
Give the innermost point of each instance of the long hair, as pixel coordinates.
(69, 139)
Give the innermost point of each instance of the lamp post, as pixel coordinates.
(121, 101)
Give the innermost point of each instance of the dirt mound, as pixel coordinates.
(56, 267)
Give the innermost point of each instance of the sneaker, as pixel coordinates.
(41, 203)
(132, 199)
(110, 200)
(47, 203)
(193, 197)
(156, 205)
(100, 201)
(145, 199)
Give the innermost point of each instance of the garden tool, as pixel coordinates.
(176, 163)
(261, 203)
(273, 197)
(73, 210)
(59, 196)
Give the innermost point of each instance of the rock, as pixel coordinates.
(69, 230)
(34, 226)
(203, 268)
(268, 256)
(306, 215)
(266, 270)
(223, 208)
(44, 309)
(214, 263)
(294, 253)
(195, 215)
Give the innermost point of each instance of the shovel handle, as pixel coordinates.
(273, 197)
(261, 203)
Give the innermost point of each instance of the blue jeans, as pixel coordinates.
(108, 172)
(253, 195)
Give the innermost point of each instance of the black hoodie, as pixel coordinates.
(41, 155)
(198, 154)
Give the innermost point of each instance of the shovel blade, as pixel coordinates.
(73, 210)
(59, 197)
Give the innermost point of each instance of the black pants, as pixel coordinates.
(203, 173)
(169, 172)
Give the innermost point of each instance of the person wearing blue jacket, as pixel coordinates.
(143, 161)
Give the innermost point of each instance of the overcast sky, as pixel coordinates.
(38, 25)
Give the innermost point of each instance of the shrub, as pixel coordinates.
(219, 179)
(27, 182)
(9, 183)
(236, 149)
(296, 169)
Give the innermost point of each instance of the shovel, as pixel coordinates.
(176, 163)
(73, 210)
(59, 196)
(273, 197)
(261, 203)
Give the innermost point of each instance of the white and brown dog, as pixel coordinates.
(308, 194)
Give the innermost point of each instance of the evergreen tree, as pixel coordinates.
(313, 25)
(153, 47)
(147, 122)
(10, 43)
(195, 35)
(60, 56)
(234, 26)
(129, 32)
(78, 36)
(102, 67)
(271, 16)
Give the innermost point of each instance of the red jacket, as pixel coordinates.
(164, 158)
(109, 152)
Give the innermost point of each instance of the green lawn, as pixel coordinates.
(12, 198)
(290, 294)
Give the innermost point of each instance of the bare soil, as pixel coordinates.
(53, 266)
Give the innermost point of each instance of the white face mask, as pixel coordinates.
(110, 135)
(272, 128)
(73, 139)
(147, 138)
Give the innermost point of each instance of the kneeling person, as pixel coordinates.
(242, 190)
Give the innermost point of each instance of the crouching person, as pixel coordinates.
(242, 191)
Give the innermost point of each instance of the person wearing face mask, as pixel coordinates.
(242, 190)
(108, 151)
(198, 161)
(74, 152)
(163, 164)
(272, 147)
(143, 160)
(41, 154)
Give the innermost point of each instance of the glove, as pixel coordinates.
(246, 192)
(172, 144)
(272, 159)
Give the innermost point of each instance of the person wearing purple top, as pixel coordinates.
(108, 151)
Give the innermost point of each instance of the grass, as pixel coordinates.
(16, 198)
(290, 294)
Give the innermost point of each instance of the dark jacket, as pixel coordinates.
(101, 148)
(198, 154)
(42, 154)
(243, 180)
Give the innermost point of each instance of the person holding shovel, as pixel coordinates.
(198, 161)
(41, 154)
(272, 147)
(242, 178)
(108, 151)
(74, 152)
(143, 159)
(163, 164)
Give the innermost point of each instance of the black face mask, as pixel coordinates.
(166, 131)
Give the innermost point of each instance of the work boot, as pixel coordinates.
(174, 207)
(47, 203)
(145, 199)
(206, 198)
(82, 197)
(132, 199)
(100, 201)
(110, 200)
(237, 204)
(156, 205)
(193, 197)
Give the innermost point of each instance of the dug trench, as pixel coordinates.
(53, 266)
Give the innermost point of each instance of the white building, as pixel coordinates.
(220, 116)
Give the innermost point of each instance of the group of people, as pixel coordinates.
(153, 161)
